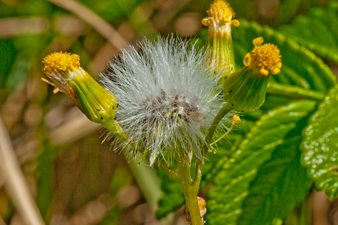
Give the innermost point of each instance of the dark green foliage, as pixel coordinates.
(8, 55)
(272, 134)
(317, 31)
(280, 185)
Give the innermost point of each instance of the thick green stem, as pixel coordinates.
(192, 204)
(190, 189)
(225, 109)
(171, 173)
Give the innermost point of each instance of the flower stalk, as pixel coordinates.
(221, 114)
(190, 188)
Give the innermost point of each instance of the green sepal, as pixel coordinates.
(245, 89)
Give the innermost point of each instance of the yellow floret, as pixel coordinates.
(258, 41)
(220, 10)
(266, 57)
(221, 13)
(236, 119)
(61, 62)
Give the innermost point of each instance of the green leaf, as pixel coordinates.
(173, 197)
(216, 161)
(273, 101)
(301, 67)
(317, 31)
(320, 145)
(232, 182)
(8, 58)
(301, 214)
(287, 10)
(19, 73)
(280, 185)
(25, 59)
(225, 147)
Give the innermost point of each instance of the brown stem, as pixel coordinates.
(15, 181)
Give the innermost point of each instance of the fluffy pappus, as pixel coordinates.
(167, 98)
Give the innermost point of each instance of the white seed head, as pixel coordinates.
(166, 97)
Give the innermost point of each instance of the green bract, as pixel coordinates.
(245, 89)
(237, 185)
(98, 104)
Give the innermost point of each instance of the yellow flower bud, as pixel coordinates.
(98, 104)
(219, 42)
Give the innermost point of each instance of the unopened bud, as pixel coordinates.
(219, 42)
(98, 104)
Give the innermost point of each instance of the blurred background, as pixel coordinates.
(74, 178)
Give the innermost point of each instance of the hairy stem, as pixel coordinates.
(190, 189)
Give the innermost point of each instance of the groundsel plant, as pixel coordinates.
(167, 99)
(162, 101)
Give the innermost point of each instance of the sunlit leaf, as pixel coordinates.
(272, 132)
(320, 146)
(280, 185)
